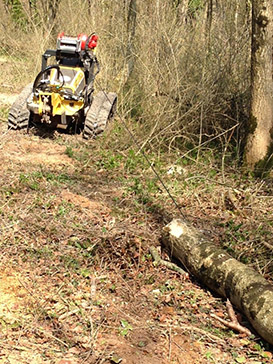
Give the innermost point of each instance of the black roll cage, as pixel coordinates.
(84, 59)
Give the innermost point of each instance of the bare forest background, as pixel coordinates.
(181, 68)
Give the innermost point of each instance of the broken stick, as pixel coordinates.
(159, 261)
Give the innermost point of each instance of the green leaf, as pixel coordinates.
(124, 323)
(116, 359)
(241, 359)
(85, 273)
(125, 327)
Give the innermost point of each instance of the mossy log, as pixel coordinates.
(246, 289)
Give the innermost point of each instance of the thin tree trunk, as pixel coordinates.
(209, 21)
(89, 7)
(236, 16)
(245, 288)
(182, 8)
(259, 146)
(131, 29)
(50, 10)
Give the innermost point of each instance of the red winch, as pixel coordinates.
(80, 43)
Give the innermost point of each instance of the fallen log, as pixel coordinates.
(246, 289)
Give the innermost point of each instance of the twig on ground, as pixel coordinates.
(68, 314)
(170, 265)
(170, 343)
(257, 265)
(46, 334)
(190, 328)
(231, 312)
(267, 245)
(232, 325)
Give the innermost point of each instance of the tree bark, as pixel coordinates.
(259, 146)
(209, 21)
(245, 288)
(131, 29)
(50, 10)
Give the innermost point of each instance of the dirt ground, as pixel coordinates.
(77, 282)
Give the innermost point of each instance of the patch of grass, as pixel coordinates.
(82, 155)
(63, 209)
(40, 252)
(125, 328)
(31, 180)
(69, 152)
(4, 112)
(58, 178)
(134, 161)
(109, 161)
(70, 262)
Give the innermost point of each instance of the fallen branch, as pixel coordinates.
(246, 289)
(267, 245)
(170, 265)
(232, 325)
(190, 328)
(231, 312)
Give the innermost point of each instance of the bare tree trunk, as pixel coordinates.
(259, 146)
(131, 29)
(53, 10)
(209, 21)
(245, 288)
(50, 10)
(236, 16)
(181, 9)
(6, 5)
(89, 7)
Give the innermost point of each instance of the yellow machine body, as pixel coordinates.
(73, 78)
(59, 104)
(54, 101)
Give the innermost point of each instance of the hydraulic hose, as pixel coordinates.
(40, 74)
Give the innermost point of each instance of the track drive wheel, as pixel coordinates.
(99, 114)
(19, 114)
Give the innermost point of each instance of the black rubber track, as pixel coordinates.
(100, 112)
(19, 114)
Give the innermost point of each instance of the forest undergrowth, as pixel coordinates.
(78, 283)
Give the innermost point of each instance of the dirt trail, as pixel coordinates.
(12, 297)
(33, 152)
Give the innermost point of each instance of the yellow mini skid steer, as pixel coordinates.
(62, 95)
